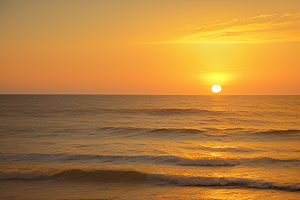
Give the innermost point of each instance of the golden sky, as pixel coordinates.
(149, 46)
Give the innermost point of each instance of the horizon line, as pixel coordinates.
(150, 94)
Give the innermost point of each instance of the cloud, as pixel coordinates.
(263, 28)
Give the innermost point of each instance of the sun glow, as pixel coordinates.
(216, 88)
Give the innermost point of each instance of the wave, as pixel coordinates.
(127, 176)
(156, 160)
(181, 130)
(156, 111)
(173, 130)
(220, 181)
(170, 110)
(105, 175)
(207, 162)
(154, 129)
(23, 175)
(280, 132)
(205, 131)
(274, 160)
(100, 175)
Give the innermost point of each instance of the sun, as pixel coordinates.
(216, 88)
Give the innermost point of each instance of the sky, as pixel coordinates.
(150, 47)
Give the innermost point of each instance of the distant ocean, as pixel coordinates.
(149, 147)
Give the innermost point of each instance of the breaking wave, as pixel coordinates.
(125, 176)
(220, 181)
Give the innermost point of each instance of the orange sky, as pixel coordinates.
(149, 46)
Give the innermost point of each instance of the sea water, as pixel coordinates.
(149, 147)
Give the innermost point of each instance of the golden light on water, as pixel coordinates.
(216, 88)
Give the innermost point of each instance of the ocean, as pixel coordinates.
(149, 147)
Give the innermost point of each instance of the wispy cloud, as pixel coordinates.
(263, 28)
